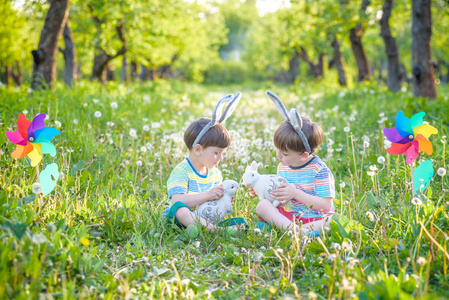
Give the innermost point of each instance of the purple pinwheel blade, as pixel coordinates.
(16, 138)
(37, 123)
(47, 133)
(402, 124)
(417, 120)
(394, 136)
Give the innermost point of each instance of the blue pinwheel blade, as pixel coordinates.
(402, 124)
(47, 133)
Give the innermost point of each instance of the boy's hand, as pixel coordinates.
(284, 193)
(252, 192)
(216, 192)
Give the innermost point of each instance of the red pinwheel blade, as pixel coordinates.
(22, 125)
(398, 148)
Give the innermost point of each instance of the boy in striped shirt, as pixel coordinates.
(307, 202)
(197, 179)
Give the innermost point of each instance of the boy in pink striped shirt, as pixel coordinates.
(307, 202)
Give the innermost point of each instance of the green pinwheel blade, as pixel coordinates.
(417, 120)
(47, 147)
(48, 178)
(422, 175)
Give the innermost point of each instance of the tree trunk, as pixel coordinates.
(133, 72)
(44, 67)
(109, 72)
(293, 66)
(102, 58)
(355, 36)
(7, 75)
(17, 76)
(423, 71)
(143, 73)
(124, 75)
(338, 63)
(69, 56)
(315, 69)
(394, 76)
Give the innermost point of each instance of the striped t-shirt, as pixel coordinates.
(313, 178)
(184, 179)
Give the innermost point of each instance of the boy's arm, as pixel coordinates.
(286, 192)
(214, 193)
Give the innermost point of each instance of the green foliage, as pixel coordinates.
(100, 234)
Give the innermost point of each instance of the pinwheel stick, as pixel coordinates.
(413, 179)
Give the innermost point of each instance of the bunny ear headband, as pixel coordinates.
(293, 118)
(217, 116)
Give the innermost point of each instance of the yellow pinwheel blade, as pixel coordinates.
(425, 130)
(36, 155)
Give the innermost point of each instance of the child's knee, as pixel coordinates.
(182, 213)
(263, 206)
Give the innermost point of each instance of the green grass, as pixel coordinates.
(112, 193)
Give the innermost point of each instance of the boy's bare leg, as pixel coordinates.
(271, 214)
(186, 218)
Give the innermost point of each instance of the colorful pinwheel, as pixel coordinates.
(32, 139)
(409, 136)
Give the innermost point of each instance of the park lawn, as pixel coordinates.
(100, 233)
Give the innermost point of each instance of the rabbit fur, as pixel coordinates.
(215, 211)
(263, 185)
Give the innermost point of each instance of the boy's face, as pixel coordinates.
(291, 158)
(211, 156)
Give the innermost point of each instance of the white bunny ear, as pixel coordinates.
(279, 105)
(230, 108)
(216, 115)
(248, 169)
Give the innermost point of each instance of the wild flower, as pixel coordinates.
(155, 125)
(97, 114)
(381, 160)
(416, 201)
(139, 163)
(335, 246)
(110, 124)
(24, 111)
(38, 238)
(146, 127)
(36, 188)
(114, 104)
(75, 121)
(370, 216)
(346, 129)
(421, 261)
(143, 149)
(133, 133)
(441, 172)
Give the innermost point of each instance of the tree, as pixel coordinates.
(44, 67)
(355, 36)
(423, 70)
(394, 75)
(69, 56)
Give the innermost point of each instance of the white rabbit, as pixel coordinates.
(263, 185)
(215, 211)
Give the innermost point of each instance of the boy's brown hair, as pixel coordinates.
(287, 139)
(216, 136)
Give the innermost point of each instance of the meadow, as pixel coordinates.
(100, 234)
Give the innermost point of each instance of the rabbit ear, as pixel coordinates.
(254, 166)
(279, 105)
(296, 122)
(248, 169)
(216, 115)
(230, 108)
(295, 118)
